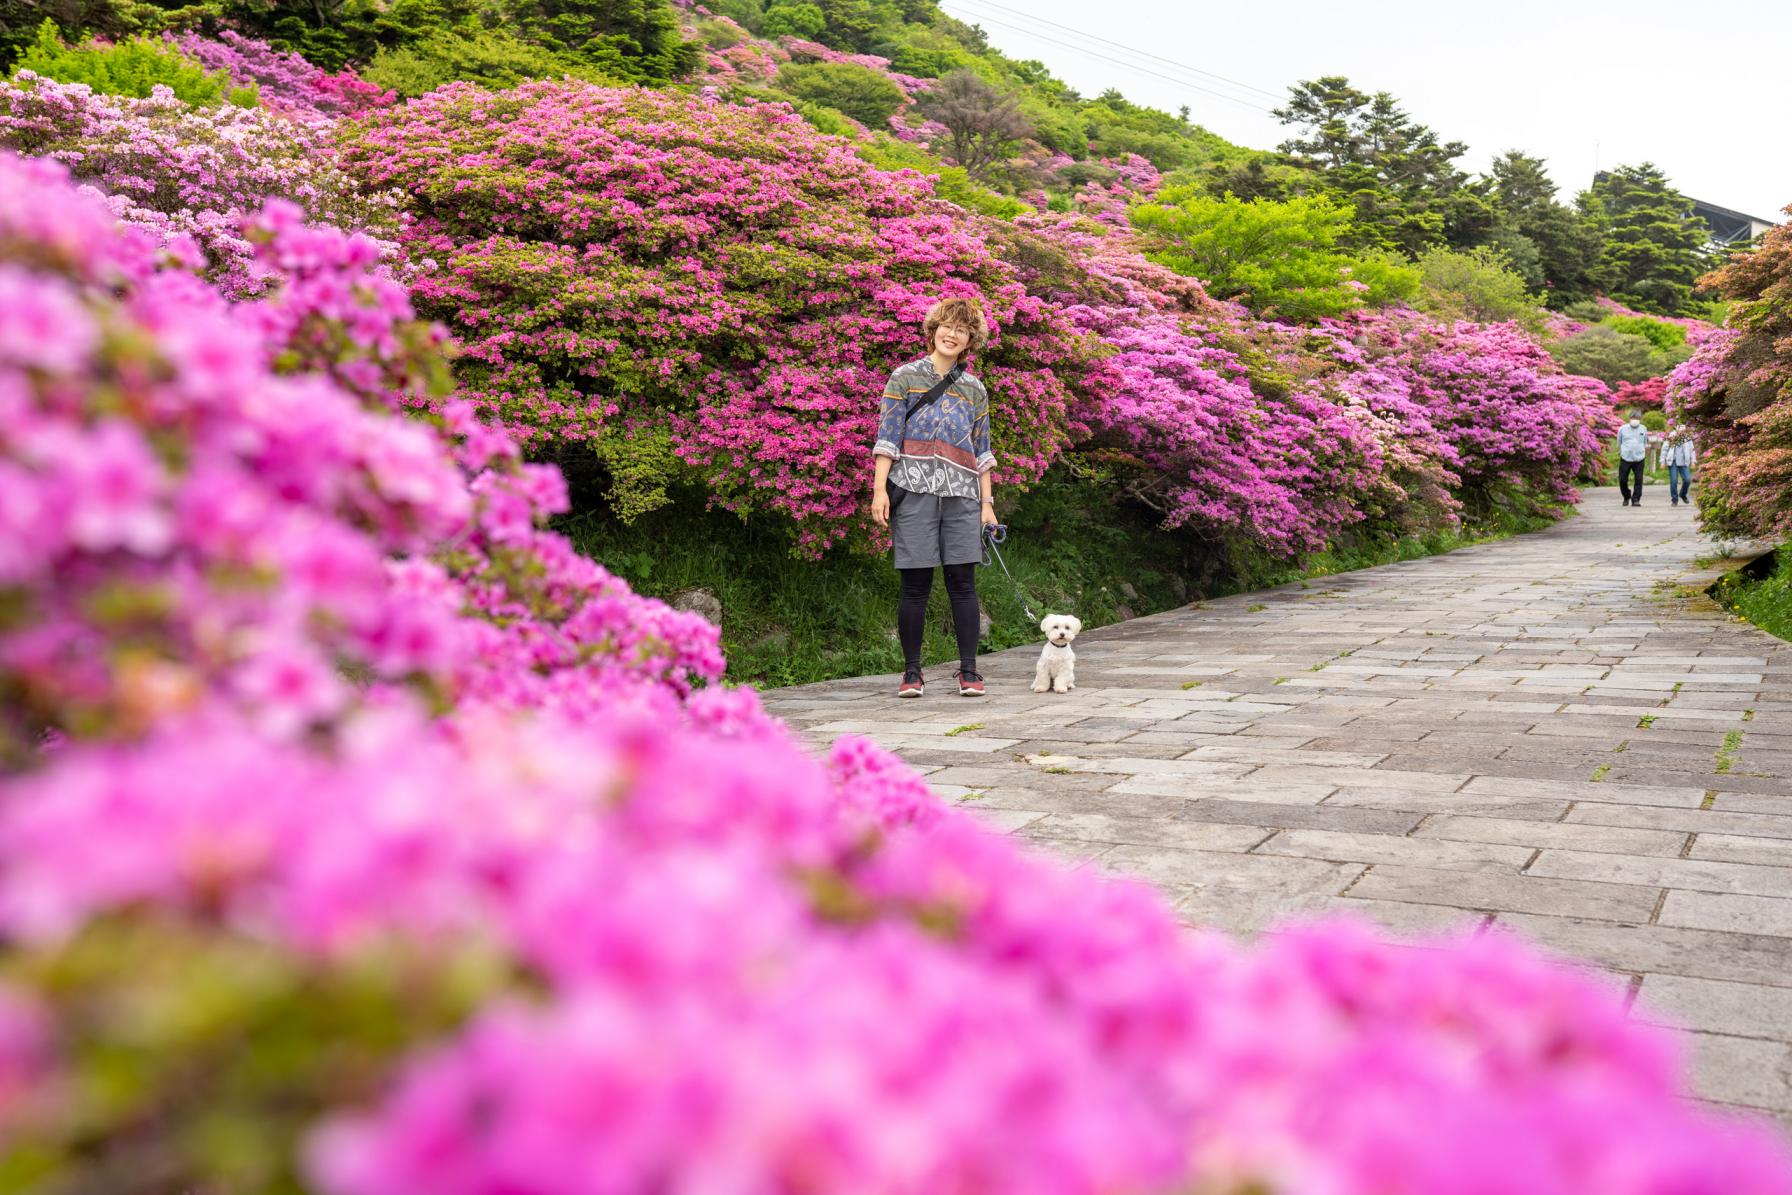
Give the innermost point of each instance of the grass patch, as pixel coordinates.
(965, 729)
(1726, 754)
(1191, 684)
(1645, 722)
(1254, 607)
(1764, 600)
(1710, 799)
(1600, 772)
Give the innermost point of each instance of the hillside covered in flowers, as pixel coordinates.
(360, 835)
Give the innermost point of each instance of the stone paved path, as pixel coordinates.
(1557, 734)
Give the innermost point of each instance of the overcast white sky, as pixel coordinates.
(1698, 89)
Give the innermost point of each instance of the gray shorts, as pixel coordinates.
(930, 530)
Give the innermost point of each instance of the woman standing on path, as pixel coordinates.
(932, 486)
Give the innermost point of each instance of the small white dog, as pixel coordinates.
(1057, 663)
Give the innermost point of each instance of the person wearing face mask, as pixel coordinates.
(932, 485)
(1633, 449)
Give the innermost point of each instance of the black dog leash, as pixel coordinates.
(994, 534)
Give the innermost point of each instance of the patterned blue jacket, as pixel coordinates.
(947, 444)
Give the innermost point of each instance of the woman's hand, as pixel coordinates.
(989, 513)
(880, 506)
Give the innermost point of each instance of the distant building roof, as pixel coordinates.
(1729, 226)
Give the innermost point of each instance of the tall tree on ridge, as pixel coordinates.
(1654, 248)
(1533, 225)
(1404, 183)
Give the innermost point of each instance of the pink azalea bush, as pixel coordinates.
(1649, 394)
(694, 291)
(376, 848)
(188, 174)
(286, 82)
(637, 268)
(1735, 392)
(404, 553)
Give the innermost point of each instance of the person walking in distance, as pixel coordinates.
(932, 485)
(1678, 453)
(1633, 448)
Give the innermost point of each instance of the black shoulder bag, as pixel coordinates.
(896, 492)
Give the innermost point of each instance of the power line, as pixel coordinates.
(1131, 66)
(1182, 66)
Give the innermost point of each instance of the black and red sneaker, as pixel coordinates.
(912, 685)
(970, 684)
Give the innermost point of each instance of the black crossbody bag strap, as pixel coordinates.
(896, 492)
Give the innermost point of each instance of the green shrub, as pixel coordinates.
(951, 183)
(827, 120)
(794, 20)
(1477, 284)
(131, 67)
(1664, 336)
(490, 57)
(719, 35)
(1607, 354)
(1655, 421)
(1278, 258)
(869, 97)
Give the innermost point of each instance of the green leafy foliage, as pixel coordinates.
(950, 182)
(868, 96)
(1476, 284)
(1609, 355)
(490, 57)
(795, 20)
(1278, 258)
(1653, 248)
(130, 67)
(1664, 336)
(1403, 182)
(1548, 243)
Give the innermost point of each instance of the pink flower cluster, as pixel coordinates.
(188, 174)
(625, 265)
(194, 527)
(300, 678)
(635, 267)
(287, 83)
(1736, 395)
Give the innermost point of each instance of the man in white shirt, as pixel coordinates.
(1633, 448)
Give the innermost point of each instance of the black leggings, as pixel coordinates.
(911, 613)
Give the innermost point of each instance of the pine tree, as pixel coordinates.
(1563, 244)
(1653, 247)
(1403, 182)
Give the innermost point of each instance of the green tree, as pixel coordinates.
(1281, 259)
(130, 67)
(637, 40)
(869, 97)
(489, 57)
(795, 20)
(1563, 243)
(1475, 284)
(1401, 180)
(1653, 248)
(983, 124)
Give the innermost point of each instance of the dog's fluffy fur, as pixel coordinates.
(1057, 663)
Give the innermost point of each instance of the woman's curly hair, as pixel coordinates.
(966, 313)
